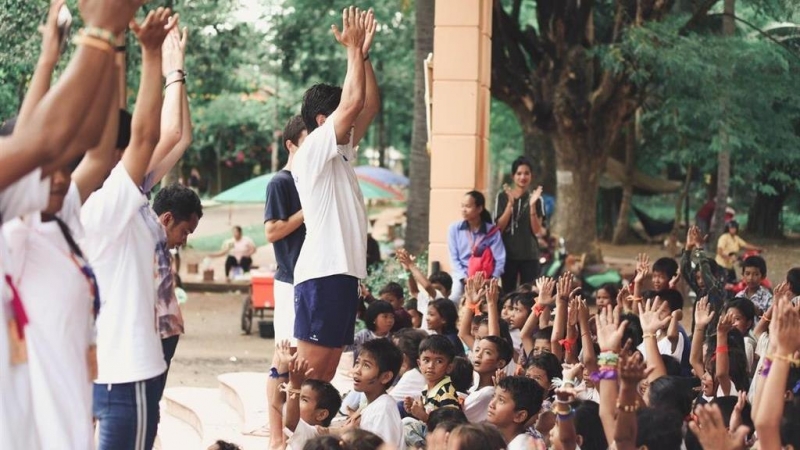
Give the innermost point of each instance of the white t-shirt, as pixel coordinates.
(665, 347)
(522, 442)
(58, 300)
(29, 194)
(333, 207)
(411, 384)
(383, 418)
(423, 300)
(476, 406)
(302, 434)
(122, 232)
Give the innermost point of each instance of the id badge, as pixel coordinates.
(18, 350)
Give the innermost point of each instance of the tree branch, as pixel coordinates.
(699, 14)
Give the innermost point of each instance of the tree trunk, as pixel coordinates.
(539, 149)
(622, 228)
(420, 169)
(577, 177)
(173, 175)
(724, 157)
(764, 216)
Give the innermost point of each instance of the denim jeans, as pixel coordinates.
(127, 414)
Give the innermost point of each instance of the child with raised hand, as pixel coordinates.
(516, 402)
(754, 270)
(437, 286)
(665, 274)
(743, 315)
(309, 404)
(534, 343)
(492, 354)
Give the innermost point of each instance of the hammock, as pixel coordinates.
(653, 227)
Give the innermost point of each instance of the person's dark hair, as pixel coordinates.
(737, 360)
(793, 278)
(731, 224)
(224, 445)
(521, 161)
(408, 341)
(480, 201)
(461, 375)
(442, 278)
(667, 266)
(447, 418)
(633, 331)
(672, 365)
(612, 290)
(726, 406)
(745, 306)
(659, 429)
(589, 426)
(374, 310)
(504, 349)
(790, 432)
(394, 289)
(527, 394)
(449, 313)
(319, 99)
(179, 200)
(328, 398)
(671, 392)
(292, 131)
(360, 439)
(544, 333)
(479, 435)
(673, 297)
(386, 354)
(505, 332)
(237, 228)
(124, 130)
(326, 442)
(547, 362)
(756, 262)
(438, 344)
(526, 299)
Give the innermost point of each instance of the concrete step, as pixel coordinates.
(175, 434)
(245, 393)
(205, 411)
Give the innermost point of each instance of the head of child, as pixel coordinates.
(672, 300)
(754, 270)
(393, 294)
(588, 428)
(470, 436)
(521, 309)
(416, 317)
(380, 317)
(541, 341)
(743, 313)
(442, 316)
(224, 445)
(606, 295)
(359, 439)
(436, 354)
(442, 422)
(319, 402)
(658, 429)
(542, 369)
(793, 280)
(461, 376)
(664, 269)
(376, 367)
(408, 341)
(491, 353)
(442, 282)
(516, 401)
(507, 308)
(737, 364)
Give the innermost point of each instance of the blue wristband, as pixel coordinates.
(273, 373)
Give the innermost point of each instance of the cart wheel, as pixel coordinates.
(247, 315)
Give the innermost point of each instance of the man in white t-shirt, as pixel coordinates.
(122, 235)
(333, 256)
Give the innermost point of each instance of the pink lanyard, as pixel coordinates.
(17, 309)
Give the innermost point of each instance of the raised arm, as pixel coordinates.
(642, 271)
(471, 301)
(533, 322)
(722, 361)
(632, 370)
(648, 315)
(417, 277)
(609, 337)
(372, 99)
(176, 121)
(702, 317)
(57, 118)
(492, 296)
(145, 125)
(352, 37)
(562, 304)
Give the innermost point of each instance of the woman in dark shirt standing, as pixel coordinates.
(521, 222)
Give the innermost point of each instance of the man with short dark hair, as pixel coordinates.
(333, 257)
(284, 229)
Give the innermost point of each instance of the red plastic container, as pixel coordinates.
(263, 285)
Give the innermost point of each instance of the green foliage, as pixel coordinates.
(18, 33)
(390, 270)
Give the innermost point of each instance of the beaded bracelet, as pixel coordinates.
(101, 34)
(608, 359)
(648, 335)
(628, 408)
(786, 358)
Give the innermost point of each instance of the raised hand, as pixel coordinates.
(674, 281)
(704, 314)
(572, 311)
(493, 293)
(404, 258)
(110, 15)
(51, 45)
(649, 316)
(472, 288)
(724, 325)
(545, 286)
(712, 433)
(622, 296)
(154, 29)
(370, 27)
(632, 369)
(610, 329)
(564, 286)
(173, 50)
(571, 372)
(736, 415)
(583, 313)
(299, 371)
(535, 196)
(353, 33)
(284, 352)
(786, 319)
(642, 267)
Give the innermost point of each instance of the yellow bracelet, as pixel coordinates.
(101, 34)
(788, 359)
(648, 335)
(628, 408)
(93, 42)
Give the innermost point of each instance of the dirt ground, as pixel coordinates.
(214, 344)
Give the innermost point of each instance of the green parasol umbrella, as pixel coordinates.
(255, 191)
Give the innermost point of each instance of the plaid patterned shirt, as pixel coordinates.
(762, 298)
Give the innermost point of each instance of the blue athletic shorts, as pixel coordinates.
(325, 310)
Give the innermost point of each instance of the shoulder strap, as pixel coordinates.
(73, 246)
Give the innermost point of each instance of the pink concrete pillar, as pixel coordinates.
(460, 116)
